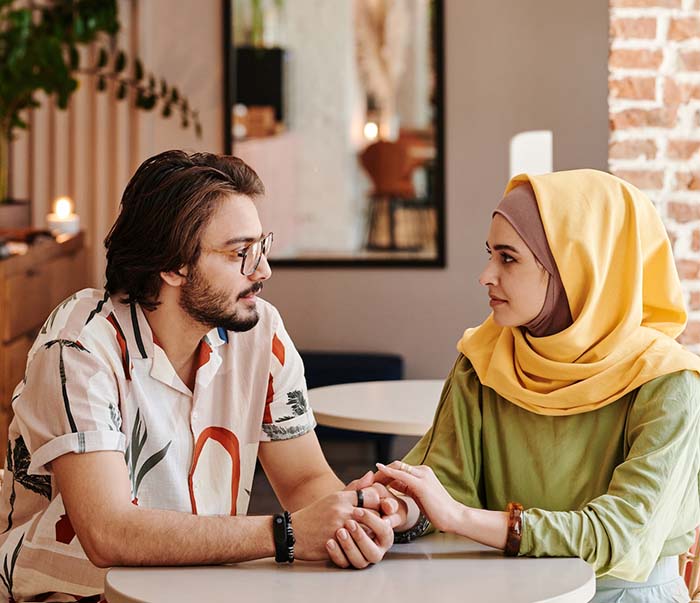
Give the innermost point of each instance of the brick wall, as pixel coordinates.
(654, 98)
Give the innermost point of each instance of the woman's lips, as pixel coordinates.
(495, 301)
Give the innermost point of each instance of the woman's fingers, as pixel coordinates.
(400, 471)
(335, 552)
(348, 537)
(383, 532)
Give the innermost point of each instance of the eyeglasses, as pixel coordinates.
(251, 254)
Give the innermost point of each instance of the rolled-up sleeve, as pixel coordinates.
(69, 403)
(287, 411)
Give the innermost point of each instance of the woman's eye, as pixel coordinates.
(507, 259)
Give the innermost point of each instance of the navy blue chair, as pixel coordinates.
(332, 368)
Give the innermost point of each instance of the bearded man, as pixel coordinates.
(145, 407)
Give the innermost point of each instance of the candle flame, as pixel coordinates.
(63, 207)
(371, 130)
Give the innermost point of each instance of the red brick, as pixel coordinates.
(695, 242)
(694, 301)
(625, 58)
(676, 94)
(681, 211)
(673, 93)
(682, 149)
(690, 60)
(684, 28)
(688, 181)
(688, 269)
(643, 118)
(626, 29)
(632, 149)
(691, 334)
(644, 179)
(645, 3)
(638, 88)
(672, 237)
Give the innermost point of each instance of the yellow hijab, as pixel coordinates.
(625, 297)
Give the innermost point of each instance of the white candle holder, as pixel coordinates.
(62, 221)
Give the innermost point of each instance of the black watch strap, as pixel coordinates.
(284, 537)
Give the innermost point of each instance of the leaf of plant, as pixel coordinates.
(102, 58)
(167, 110)
(120, 62)
(74, 58)
(198, 129)
(101, 84)
(174, 95)
(121, 91)
(138, 69)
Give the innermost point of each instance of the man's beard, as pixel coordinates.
(209, 307)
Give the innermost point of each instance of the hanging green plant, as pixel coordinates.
(39, 50)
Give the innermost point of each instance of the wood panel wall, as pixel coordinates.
(86, 152)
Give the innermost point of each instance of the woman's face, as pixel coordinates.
(516, 281)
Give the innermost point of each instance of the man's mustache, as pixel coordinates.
(256, 288)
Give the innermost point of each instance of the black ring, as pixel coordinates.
(360, 499)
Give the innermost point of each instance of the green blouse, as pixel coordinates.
(618, 487)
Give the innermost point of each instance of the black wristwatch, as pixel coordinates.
(284, 537)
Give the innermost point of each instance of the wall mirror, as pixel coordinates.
(338, 105)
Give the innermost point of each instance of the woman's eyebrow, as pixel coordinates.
(499, 247)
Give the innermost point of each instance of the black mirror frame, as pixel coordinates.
(440, 260)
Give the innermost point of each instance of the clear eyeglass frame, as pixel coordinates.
(251, 254)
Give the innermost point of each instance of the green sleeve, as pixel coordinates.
(452, 446)
(653, 494)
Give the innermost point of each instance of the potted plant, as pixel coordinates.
(39, 50)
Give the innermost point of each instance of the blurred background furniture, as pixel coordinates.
(398, 217)
(32, 285)
(403, 407)
(332, 368)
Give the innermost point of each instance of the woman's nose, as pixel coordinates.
(488, 275)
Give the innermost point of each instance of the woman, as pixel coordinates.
(572, 398)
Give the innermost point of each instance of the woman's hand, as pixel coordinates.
(419, 482)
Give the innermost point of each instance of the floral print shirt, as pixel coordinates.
(96, 379)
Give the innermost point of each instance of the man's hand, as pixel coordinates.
(315, 524)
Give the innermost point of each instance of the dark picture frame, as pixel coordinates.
(439, 261)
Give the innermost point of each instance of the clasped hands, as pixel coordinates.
(337, 527)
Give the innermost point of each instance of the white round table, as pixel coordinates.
(438, 567)
(403, 407)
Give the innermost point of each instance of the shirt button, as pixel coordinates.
(195, 416)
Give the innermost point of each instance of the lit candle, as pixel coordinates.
(63, 220)
(371, 131)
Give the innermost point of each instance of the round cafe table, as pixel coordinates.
(438, 567)
(403, 407)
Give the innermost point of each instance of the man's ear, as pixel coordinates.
(175, 278)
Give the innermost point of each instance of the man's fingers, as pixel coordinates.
(381, 478)
(389, 506)
(336, 554)
(363, 482)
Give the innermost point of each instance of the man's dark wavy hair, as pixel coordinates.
(164, 210)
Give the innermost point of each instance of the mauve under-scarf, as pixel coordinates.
(519, 207)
